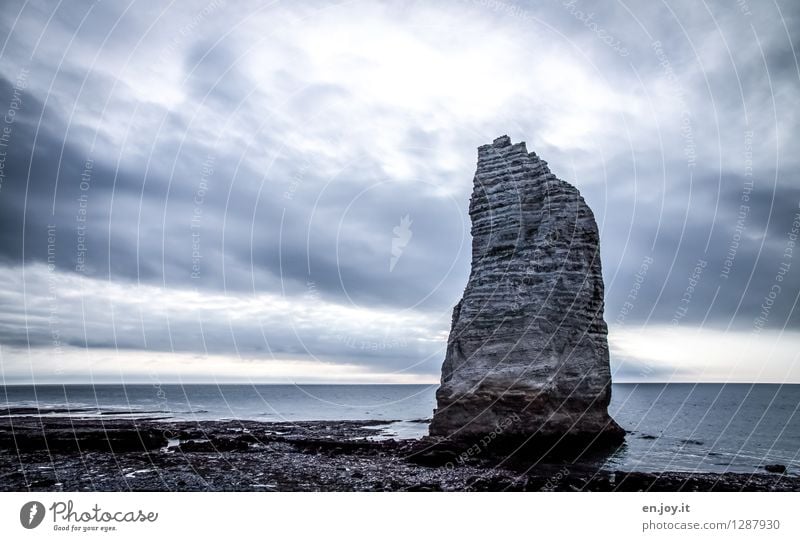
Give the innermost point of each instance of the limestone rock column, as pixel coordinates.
(527, 355)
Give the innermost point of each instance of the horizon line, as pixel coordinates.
(159, 383)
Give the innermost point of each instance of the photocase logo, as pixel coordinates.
(402, 234)
(31, 514)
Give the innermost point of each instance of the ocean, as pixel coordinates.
(672, 427)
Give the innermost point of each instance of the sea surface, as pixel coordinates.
(672, 427)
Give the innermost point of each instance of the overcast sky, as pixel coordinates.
(278, 191)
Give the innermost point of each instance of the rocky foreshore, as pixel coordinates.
(162, 455)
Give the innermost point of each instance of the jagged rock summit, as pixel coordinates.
(527, 356)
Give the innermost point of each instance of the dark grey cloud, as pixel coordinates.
(140, 221)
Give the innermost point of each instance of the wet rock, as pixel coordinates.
(425, 487)
(691, 442)
(118, 437)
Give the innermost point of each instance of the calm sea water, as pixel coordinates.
(673, 427)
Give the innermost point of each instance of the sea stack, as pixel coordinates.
(527, 356)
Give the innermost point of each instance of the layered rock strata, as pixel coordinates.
(527, 357)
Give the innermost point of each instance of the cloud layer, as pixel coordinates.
(226, 180)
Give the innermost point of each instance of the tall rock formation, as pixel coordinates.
(527, 356)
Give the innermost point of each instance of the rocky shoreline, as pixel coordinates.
(85, 454)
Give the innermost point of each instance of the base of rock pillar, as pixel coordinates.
(521, 415)
(519, 449)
